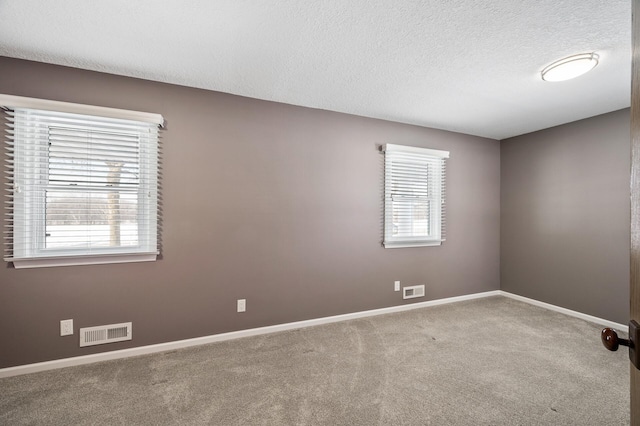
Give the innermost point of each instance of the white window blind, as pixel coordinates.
(414, 196)
(82, 188)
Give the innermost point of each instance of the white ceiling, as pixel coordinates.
(460, 65)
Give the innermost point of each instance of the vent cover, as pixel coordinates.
(413, 291)
(102, 334)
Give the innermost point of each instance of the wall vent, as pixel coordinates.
(102, 334)
(413, 291)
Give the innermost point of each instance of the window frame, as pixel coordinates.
(26, 247)
(430, 163)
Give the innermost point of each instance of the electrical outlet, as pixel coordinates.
(66, 327)
(396, 286)
(242, 305)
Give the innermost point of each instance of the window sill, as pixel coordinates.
(102, 259)
(406, 244)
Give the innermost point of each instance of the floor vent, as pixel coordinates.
(413, 291)
(102, 334)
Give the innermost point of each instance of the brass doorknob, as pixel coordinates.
(611, 341)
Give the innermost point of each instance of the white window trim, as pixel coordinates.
(436, 219)
(87, 259)
(48, 105)
(67, 258)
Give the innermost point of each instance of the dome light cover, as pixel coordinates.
(570, 67)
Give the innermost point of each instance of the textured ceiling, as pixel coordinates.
(467, 66)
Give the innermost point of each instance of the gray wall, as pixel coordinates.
(277, 204)
(565, 216)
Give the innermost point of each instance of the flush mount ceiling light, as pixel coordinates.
(570, 67)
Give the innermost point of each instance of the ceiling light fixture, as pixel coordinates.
(570, 67)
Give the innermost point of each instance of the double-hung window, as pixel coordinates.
(83, 184)
(414, 196)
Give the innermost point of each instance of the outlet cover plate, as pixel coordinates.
(242, 305)
(66, 327)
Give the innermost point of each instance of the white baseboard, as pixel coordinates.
(590, 318)
(169, 346)
(164, 347)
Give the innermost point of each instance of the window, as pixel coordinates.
(83, 184)
(414, 196)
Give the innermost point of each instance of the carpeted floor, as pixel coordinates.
(491, 361)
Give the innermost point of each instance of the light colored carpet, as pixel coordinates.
(491, 361)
